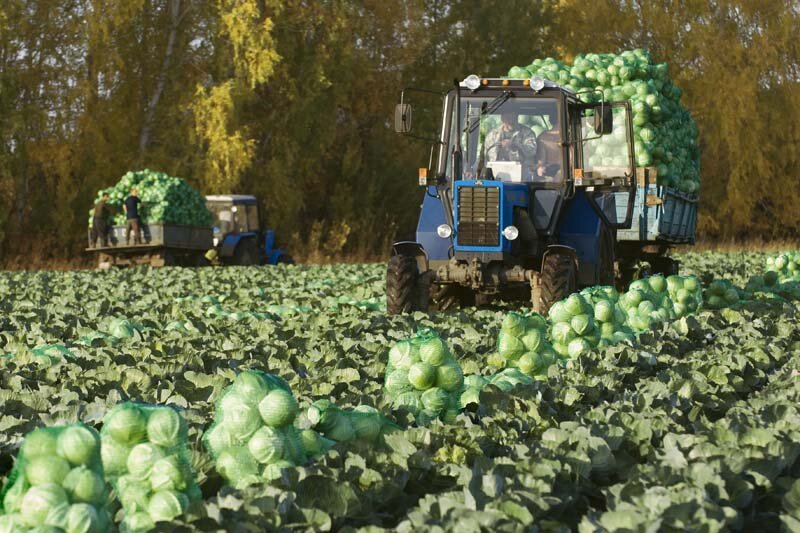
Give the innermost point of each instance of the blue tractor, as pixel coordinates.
(530, 185)
(237, 235)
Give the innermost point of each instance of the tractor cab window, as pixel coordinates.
(223, 217)
(252, 217)
(608, 156)
(517, 139)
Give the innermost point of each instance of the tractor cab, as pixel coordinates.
(237, 235)
(529, 187)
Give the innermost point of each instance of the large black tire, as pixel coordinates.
(285, 259)
(401, 285)
(559, 279)
(246, 253)
(449, 296)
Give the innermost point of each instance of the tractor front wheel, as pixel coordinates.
(401, 285)
(246, 253)
(558, 279)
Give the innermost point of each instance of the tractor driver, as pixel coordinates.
(511, 141)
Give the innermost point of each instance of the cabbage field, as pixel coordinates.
(691, 423)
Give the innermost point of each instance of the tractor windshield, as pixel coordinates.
(510, 139)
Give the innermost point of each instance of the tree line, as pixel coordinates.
(292, 100)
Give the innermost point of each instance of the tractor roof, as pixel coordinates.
(232, 198)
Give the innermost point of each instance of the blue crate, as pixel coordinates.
(671, 217)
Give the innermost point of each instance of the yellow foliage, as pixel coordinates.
(229, 153)
(249, 32)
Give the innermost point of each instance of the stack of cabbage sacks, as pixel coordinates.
(647, 302)
(786, 266)
(57, 483)
(572, 326)
(665, 135)
(609, 318)
(253, 436)
(165, 199)
(522, 343)
(362, 423)
(423, 377)
(686, 294)
(720, 294)
(146, 458)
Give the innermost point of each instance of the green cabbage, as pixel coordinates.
(433, 351)
(165, 428)
(133, 494)
(78, 444)
(166, 505)
(450, 377)
(241, 419)
(42, 470)
(127, 424)
(170, 473)
(251, 387)
(435, 399)
(40, 442)
(142, 458)
(278, 408)
(237, 465)
(114, 455)
(267, 445)
(509, 346)
(422, 375)
(39, 501)
(397, 381)
(82, 518)
(84, 485)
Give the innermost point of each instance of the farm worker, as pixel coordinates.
(511, 141)
(548, 148)
(131, 207)
(99, 229)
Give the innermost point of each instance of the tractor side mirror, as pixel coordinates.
(603, 119)
(402, 118)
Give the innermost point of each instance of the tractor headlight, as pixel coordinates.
(537, 83)
(472, 82)
(444, 231)
(510, 232)
(215, 241)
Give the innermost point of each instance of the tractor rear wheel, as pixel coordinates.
(558, 279)
(246, 253)
(401, 285)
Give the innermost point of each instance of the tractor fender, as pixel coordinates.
(412, 249)
(562, 249)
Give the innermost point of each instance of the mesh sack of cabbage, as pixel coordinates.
(686, 294)
(362, 423)
(165, 199)
(647, 302)
(253, 436)
(786, 266)
(57, 483)
(522, 343)
(665, 135)
(423, 377)
(146, 458)
(609, 318)
(720, 294)
(572, 326)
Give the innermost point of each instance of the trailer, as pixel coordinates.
(663, 217)
(161, 245)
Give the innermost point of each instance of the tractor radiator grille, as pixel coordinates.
(479, 216)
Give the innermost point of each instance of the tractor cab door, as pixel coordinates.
(603, 162)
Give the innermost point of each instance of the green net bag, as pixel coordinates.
(609, 318)
(253, 435)
(720, 294)
(423, 377)
(686, 294)
(782, 267)
(146, 458)
(522, 343)
(57, 482)
(572, 326)
(362, 423)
